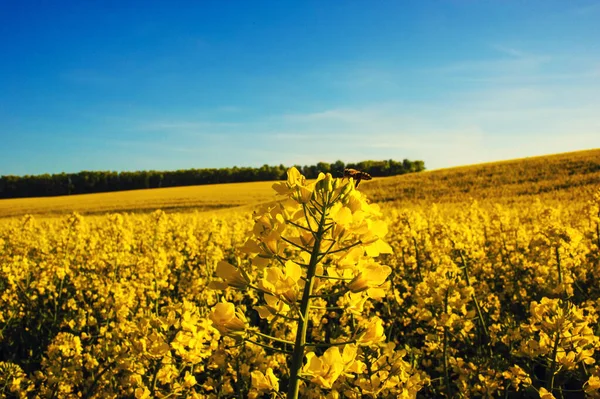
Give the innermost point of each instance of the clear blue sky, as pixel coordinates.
(99, 85)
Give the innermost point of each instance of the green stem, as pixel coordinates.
(293, 244)
(333, 278)
(271, 338)
(552, 371)
(328, 307)
(342, 291)
(343, 249)
(300, 344)
(418, 258)
(558, 265)
(299, 226)
(327, 345)
(475, 301)
(268, 346)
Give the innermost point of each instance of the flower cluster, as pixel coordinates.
(312, 256)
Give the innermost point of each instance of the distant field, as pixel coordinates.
(553, 177)
(200, 198)
(559, 177)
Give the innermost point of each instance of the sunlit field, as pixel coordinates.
(172, 199)
(559, 177)
(471, 282)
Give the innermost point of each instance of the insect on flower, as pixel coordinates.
(357, 175)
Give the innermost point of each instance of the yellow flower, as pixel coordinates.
(518, 377)
(282, 285)
(324, 182)
(142, 393)
(232, 275)
(353, 303)
(295, 187)
(326, 369)
(157, 346)
(274, 306)
(544, 394)
(351, 365)
(227, 320)
(265, 382)
(370, 275)
(372, 333)
(592, 386)
(189, 380)
(303, 194)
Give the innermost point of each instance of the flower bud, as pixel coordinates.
(346, 190)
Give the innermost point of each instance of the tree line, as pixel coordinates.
(87, 182)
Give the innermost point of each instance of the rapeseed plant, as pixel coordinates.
(310, 250)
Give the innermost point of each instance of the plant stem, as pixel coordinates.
(300, 344)
(484, 328)
(268, 346)
(418, 258)
(552, 371)
(558, 265)
(271, 338)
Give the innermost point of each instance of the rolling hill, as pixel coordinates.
(560, 177)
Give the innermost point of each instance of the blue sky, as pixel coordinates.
(125, 85)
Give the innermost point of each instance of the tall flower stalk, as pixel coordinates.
(312, 255)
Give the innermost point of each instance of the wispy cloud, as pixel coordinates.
(513, 61)
(345, 115)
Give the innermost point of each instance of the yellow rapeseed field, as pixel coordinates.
(473, 282)
(172, 199)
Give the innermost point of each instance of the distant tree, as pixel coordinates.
(324, 167)
(103, 181)
(419, 166)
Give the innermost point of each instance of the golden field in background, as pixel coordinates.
(172, 199)
(494, 290)
(561, 177)
(552, 177)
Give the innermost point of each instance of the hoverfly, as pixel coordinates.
(357, 175)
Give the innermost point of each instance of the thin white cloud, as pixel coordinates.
(346, 115)
(499, 66)
(291, 136)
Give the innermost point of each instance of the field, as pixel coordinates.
(479, 281)
(198, 198)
